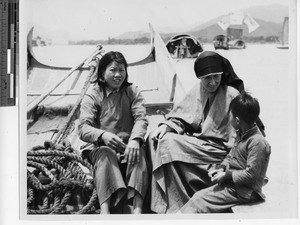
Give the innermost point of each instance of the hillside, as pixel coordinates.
(133, 35)
(269, 18)
(272, 13)
(265, 29)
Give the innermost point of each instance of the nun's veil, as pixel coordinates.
(209, 62)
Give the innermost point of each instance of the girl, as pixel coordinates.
(113, 119)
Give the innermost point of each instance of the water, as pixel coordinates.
(268, 74)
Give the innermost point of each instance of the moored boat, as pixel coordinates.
(59, 180)
(233, 40)
(220, 42)
(233, 25)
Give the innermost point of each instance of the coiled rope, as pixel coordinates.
(56, 181)
(58, 178)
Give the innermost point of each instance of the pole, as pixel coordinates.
(35, 103)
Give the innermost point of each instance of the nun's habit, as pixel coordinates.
(203, 136)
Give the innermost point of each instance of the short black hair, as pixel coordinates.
(106, 60)
(245, 107)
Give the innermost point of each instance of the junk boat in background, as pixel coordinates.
(284, 36)
(59, 181)
(184, 46)
(233, 25)
(221, 42)
(233, 40)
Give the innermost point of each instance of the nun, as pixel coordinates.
(195, 136)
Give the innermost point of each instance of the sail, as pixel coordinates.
(224, 23)
(238, 19)
(284, 36)
(251, 23)
(285, 31)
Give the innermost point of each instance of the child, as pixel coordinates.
(240, 177)
(113, 120)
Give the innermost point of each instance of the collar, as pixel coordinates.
(248, 133)
(109, 92)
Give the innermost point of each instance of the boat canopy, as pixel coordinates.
(184, 41)
(220, 37)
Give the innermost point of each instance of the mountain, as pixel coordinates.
(133, 35)
(269, 18)
(265, 29)
(272, 13)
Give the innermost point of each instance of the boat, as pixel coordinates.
(59, 180)
(233, 25)
(221, 42)
(284, 37)
(184, 46)
(236, 44)
(233, 40)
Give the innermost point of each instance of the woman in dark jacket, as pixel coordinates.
(113, 120)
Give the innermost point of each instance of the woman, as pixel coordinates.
(196, 134)
(113, 119)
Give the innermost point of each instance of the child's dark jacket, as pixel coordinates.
(248, 161)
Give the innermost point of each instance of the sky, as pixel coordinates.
(63, 20)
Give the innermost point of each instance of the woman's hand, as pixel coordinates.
(213, 172)
(113, 141)
(132, 152)
(218, 177)
(160, 132)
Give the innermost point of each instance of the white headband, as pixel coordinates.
(217, 73)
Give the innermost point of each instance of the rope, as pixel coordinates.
(30, 196)
(90, 204)
(56, 177)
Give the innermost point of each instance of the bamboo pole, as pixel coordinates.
(35, 103)
(63, 132)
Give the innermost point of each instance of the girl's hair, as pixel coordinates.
(245, 107)
(105, 61)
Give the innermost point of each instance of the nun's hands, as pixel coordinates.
(160, 132)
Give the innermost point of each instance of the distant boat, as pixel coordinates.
(184, 46)
(233, 25)
(284, 38)
(220, 42)
(223, 42)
